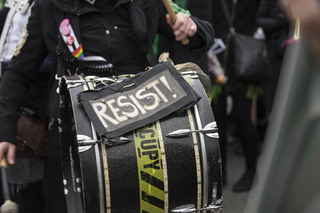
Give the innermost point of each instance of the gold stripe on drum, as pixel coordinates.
(150, 170)
(165, 170)
(106, 177)
(197, 157)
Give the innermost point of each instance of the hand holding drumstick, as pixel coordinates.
(182, 25)
(8, 206)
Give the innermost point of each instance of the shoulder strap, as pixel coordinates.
(226, 12)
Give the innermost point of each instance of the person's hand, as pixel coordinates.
(8, 150)
(183, 27)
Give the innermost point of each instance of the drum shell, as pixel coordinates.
(109, 175)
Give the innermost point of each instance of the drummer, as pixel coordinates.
(89, 37)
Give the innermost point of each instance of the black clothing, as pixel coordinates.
(244, 23)
(271, 17)
(25, 177)
(3, 14)
(145, 17)
(38, 95)
(244, 19)
(276, 28)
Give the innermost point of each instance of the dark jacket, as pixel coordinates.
(271, 17)
(38, 94)
(275, 25)
(135, 18)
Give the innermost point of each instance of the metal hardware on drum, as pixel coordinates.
(204, 157)
(74, 83)
(214, 208)
(187, 132)
(89, 142)
(214, 135)
(190, 74)
(90, 81)
(93, 81)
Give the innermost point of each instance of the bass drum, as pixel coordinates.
(172, 165)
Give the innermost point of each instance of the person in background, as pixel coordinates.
(244, 23)
(25, 176)
(50, 23)
(272, 19)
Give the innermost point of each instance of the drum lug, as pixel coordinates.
(85, 142)
(214, 135)
(210, 130)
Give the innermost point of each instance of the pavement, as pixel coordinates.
(234, 202)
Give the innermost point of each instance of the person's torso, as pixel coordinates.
(117, 43)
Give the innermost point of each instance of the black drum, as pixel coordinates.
(171, 165)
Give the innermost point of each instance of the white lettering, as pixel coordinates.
(100, 110)
(156, 99)
(164, 80)
(132, 114)
(115, 111)
(153, 85)
(136, 102)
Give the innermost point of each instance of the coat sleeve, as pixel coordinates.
(202, 40)
(20, 74)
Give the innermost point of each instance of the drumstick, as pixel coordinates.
(173, 16)
(8, 206)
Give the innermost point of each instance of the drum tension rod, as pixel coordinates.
(208, 130)
(116, 142)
